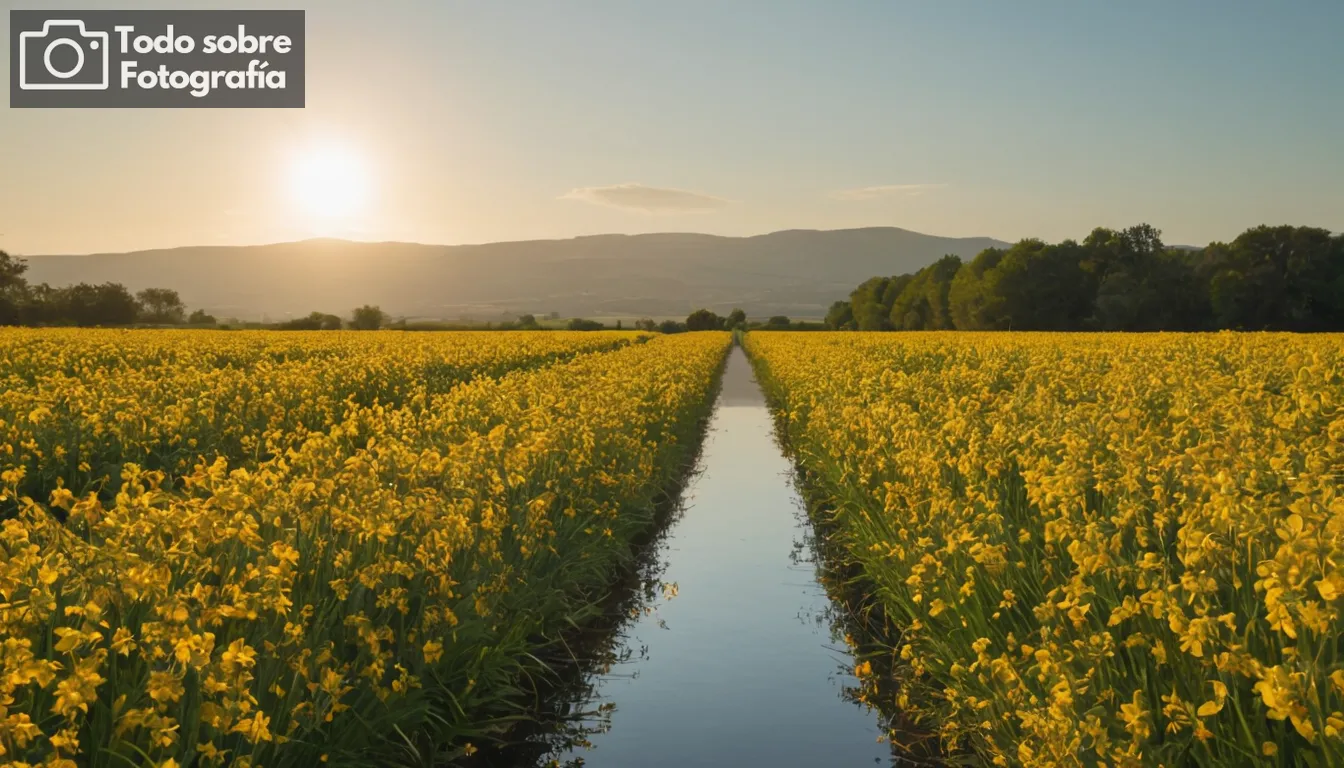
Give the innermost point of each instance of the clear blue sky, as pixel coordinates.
(471, 122)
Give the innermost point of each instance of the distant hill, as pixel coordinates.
(794, 272)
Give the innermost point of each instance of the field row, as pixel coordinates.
(1092, 549)
(316, 550)
(75, 406)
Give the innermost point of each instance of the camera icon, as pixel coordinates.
(64, 56)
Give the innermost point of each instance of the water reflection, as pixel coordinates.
(567, 710)
(856, 619)
(732, 653)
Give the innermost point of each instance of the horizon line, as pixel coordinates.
(499, 242)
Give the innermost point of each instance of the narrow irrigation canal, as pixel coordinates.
(740, 666)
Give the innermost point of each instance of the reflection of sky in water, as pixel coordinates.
(745, 672)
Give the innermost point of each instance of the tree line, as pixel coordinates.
(1280, 278)
(365, 318)
(84, 304)
(112, 304)
(706, 320)
(699, 320)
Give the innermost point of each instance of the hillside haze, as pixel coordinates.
(794, 272)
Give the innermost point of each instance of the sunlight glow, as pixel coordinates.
(329, 182)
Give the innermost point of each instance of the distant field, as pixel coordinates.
(290, 549)
(1093, 549)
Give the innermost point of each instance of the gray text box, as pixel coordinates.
(128, 59)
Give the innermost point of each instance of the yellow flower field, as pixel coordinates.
(288, 549)
(75, 405)
(1092, 549)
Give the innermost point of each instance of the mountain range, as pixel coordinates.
(793, 272)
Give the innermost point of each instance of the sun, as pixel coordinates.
(329, 182)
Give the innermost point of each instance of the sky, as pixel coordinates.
(466, 122)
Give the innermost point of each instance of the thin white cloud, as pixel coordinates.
(640, 197)
(885, 190)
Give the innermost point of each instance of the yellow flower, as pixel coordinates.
(254, 729)
(1327, 589)
(433, 651)
(238, 655)
(1182, 487)
(1210, 708)
(122, 641)
(164, 687)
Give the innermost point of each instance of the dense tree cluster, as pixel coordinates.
(83, 304)
(581, 324)
(368, 318)
(315, 321)
(1269, 278)
(704, 320)
(112, 304)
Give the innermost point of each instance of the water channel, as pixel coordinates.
(737, 662)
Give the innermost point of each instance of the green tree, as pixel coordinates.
(1284, 278)
(314, 321)
(96, 305)
(1030, 286)
(704, 320)
(737, 319)
(1041, 287)
(13, 286)
(42, 305)
(1269, 278)
(840, 317)
(922, 303)
(200, 317)
(871, 302)
(971, 301)
(1138, 284)
(368, 318)
(161, 305)
(11, 272)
